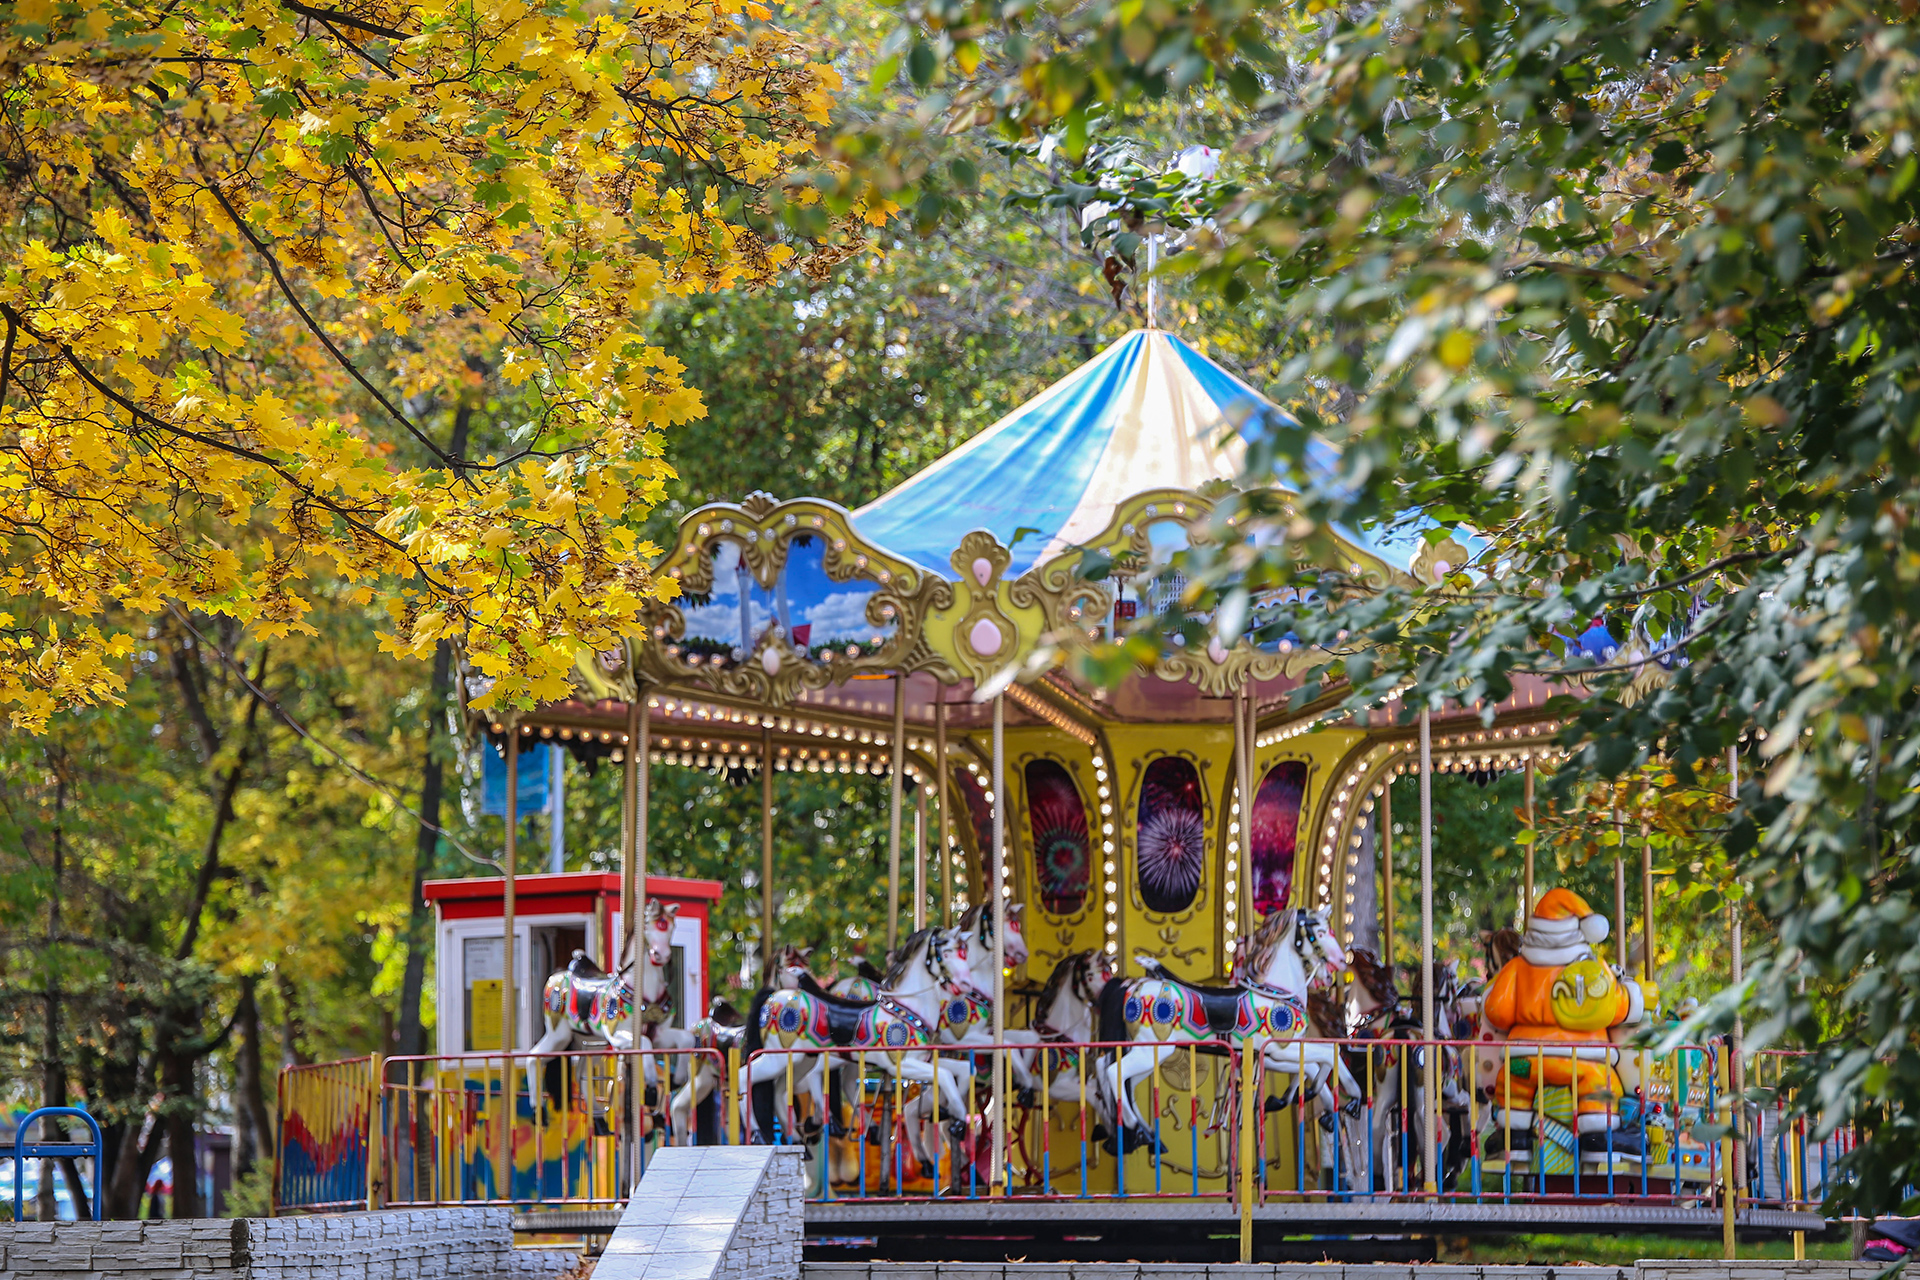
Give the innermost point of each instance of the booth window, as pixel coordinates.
(1273, 834)
(480, 974)
(1057, 821)
(1170, 845)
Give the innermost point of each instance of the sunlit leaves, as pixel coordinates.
(246, 249)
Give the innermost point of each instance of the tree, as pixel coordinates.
(245, 245)
(1621, 295)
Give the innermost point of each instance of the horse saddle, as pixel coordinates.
(583, 969)
(1221, 1004)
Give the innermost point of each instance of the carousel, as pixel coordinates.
(1134, 930)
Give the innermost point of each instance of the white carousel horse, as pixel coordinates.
(966, 1015)
(722, 1029)
(583, 1003)
(1265, 1011)
(1067, 1014)
(898, 1029)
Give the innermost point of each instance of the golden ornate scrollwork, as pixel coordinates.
(985, 637)
(776, 670)
(1436, 560)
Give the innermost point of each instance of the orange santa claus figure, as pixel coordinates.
(1558, 991)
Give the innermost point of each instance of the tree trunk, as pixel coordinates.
(410, 1039)
(253, 1124)
(176, 1079)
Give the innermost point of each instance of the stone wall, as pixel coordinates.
(416, 1244)
(711, 1213)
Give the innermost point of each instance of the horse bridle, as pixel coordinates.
(1081, 984)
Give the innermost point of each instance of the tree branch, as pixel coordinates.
(344, 19)
(313, 326)
(222, 815)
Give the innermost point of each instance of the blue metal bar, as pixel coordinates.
(23, 1150)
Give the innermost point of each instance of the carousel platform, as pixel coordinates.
(1200, 1230)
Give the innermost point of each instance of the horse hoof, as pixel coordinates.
(956, 1129)
(1325, 1122)
(1025, 1097)
(927, 1169)
(1351, 1108)
(1280, 1103)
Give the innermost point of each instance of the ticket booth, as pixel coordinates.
(554, 916)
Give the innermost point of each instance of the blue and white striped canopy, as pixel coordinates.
(1147, 413)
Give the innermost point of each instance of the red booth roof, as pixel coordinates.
(476, 891)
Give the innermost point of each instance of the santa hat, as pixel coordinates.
(1564, 905)
(1562, 929)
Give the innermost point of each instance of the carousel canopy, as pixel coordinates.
(1149, 412)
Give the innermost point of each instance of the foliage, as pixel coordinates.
(204, 872)
(1622, 295)
(246, 244)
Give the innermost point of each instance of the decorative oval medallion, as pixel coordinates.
(985, 638)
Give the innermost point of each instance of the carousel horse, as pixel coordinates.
(1265, 1012)
(966, 1015)
(583, 1003)
(789, 969)
(862, 984)
(898, 1029)
(1362, 1012)
(1396, 1133)
(721, 1030)
(1066, 1015)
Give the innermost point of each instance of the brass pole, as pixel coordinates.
(919, 858)
(895, 774)
(1736, 1067)
(630, 832)
(946, 831)
(508, 1041)
(766, 844)
(1646, 905)
(1386, 871)
(1250, 784)
(640, 764)
(1619, 888)
(1429, 1155)
(503, 1179)
(1243, 880)
(1526, 892)
(996, 905)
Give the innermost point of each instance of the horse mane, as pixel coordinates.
(1266, 937)
(1061, 975)
(970, 918)
(1328, 1014)
(1370, 973)
(869, 970)
(1501, 945)
(899, 962)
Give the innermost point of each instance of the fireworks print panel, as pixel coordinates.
(1057, 821)
(1276, 827)
(1170, 847)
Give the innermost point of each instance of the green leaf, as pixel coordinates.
(921, 63)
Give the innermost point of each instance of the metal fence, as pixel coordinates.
(1498, 1122)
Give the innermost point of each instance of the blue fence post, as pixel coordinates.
(24, 1150)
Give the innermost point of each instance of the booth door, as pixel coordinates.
(470, 972)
